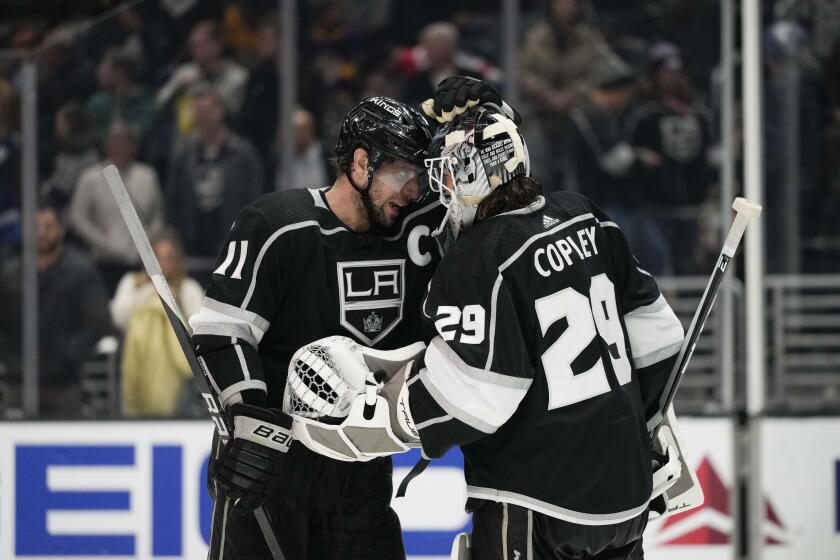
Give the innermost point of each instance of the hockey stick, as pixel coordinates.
(182, 332)
(745, 211)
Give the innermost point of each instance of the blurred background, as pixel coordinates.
(205, 104)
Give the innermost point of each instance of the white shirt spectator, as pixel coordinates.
(95, 217)
(135, 290)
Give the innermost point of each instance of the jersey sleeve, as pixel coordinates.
(477, 366)
(240, 302)
(653, 329)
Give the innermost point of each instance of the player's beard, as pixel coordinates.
(377, 207)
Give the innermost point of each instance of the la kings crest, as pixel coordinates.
(371, 297)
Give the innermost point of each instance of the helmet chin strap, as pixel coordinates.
(365, 194)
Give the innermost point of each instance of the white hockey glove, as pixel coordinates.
(458, 94)
(349, 402)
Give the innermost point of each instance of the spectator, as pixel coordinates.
(310, 165)
(9, 170)
(121, 98)
(214, 176)
(135, 288)
(64, 75)
(72, 315)
(557, 58)
(335, 52)
(678, 129)
(437, 57)
(94, 216)
(259, 116)
(125, 32)
(74, 148)
(154, 369)
(208, 65)
(603, 162)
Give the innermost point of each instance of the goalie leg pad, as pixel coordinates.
(461, 547)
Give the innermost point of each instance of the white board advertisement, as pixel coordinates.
(801, 481)
(136, 490)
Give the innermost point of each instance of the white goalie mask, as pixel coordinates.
(332, 395)
(476, 153)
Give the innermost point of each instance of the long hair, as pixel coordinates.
(180, 271)
(517, 193)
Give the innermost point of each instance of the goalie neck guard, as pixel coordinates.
(470, 157)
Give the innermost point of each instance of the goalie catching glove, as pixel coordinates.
(458, 94)
(349, 402)
(248, 468)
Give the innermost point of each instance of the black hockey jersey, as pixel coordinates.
(551, 348)
(290, 273)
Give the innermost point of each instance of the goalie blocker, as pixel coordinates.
(350, 403)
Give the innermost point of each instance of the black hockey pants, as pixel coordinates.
(324, 510)
(509, 532)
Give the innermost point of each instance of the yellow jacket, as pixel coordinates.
(153, 366)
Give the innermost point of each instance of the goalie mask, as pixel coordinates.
(470, 157)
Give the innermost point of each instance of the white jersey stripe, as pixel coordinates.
(214, 313)
(479, 398)
(243, 252)
(228, 259)
(653, 331)
(239, 354)
(551, 510)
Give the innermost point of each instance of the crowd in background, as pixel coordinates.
(620, 100)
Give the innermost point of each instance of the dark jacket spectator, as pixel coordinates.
(121, 98)
(259, 117)
(73, 316)
(678, 130)
(74, 148)
(216, 174)
(437, 57)
(603, 161)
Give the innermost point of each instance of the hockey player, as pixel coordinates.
(550, 348)
(353, 259)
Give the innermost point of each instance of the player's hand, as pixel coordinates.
(249, 467)
(457, 94)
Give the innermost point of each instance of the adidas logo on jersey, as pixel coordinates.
(516, 554)
(549, 222)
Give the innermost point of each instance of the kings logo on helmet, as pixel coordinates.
(371, 297)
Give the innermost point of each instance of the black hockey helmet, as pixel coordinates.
(384, 127)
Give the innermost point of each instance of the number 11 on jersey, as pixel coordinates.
(588, 316)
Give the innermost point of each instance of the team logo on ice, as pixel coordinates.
(371, 297)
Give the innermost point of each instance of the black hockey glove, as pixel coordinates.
(248, 469)
(457, 94)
